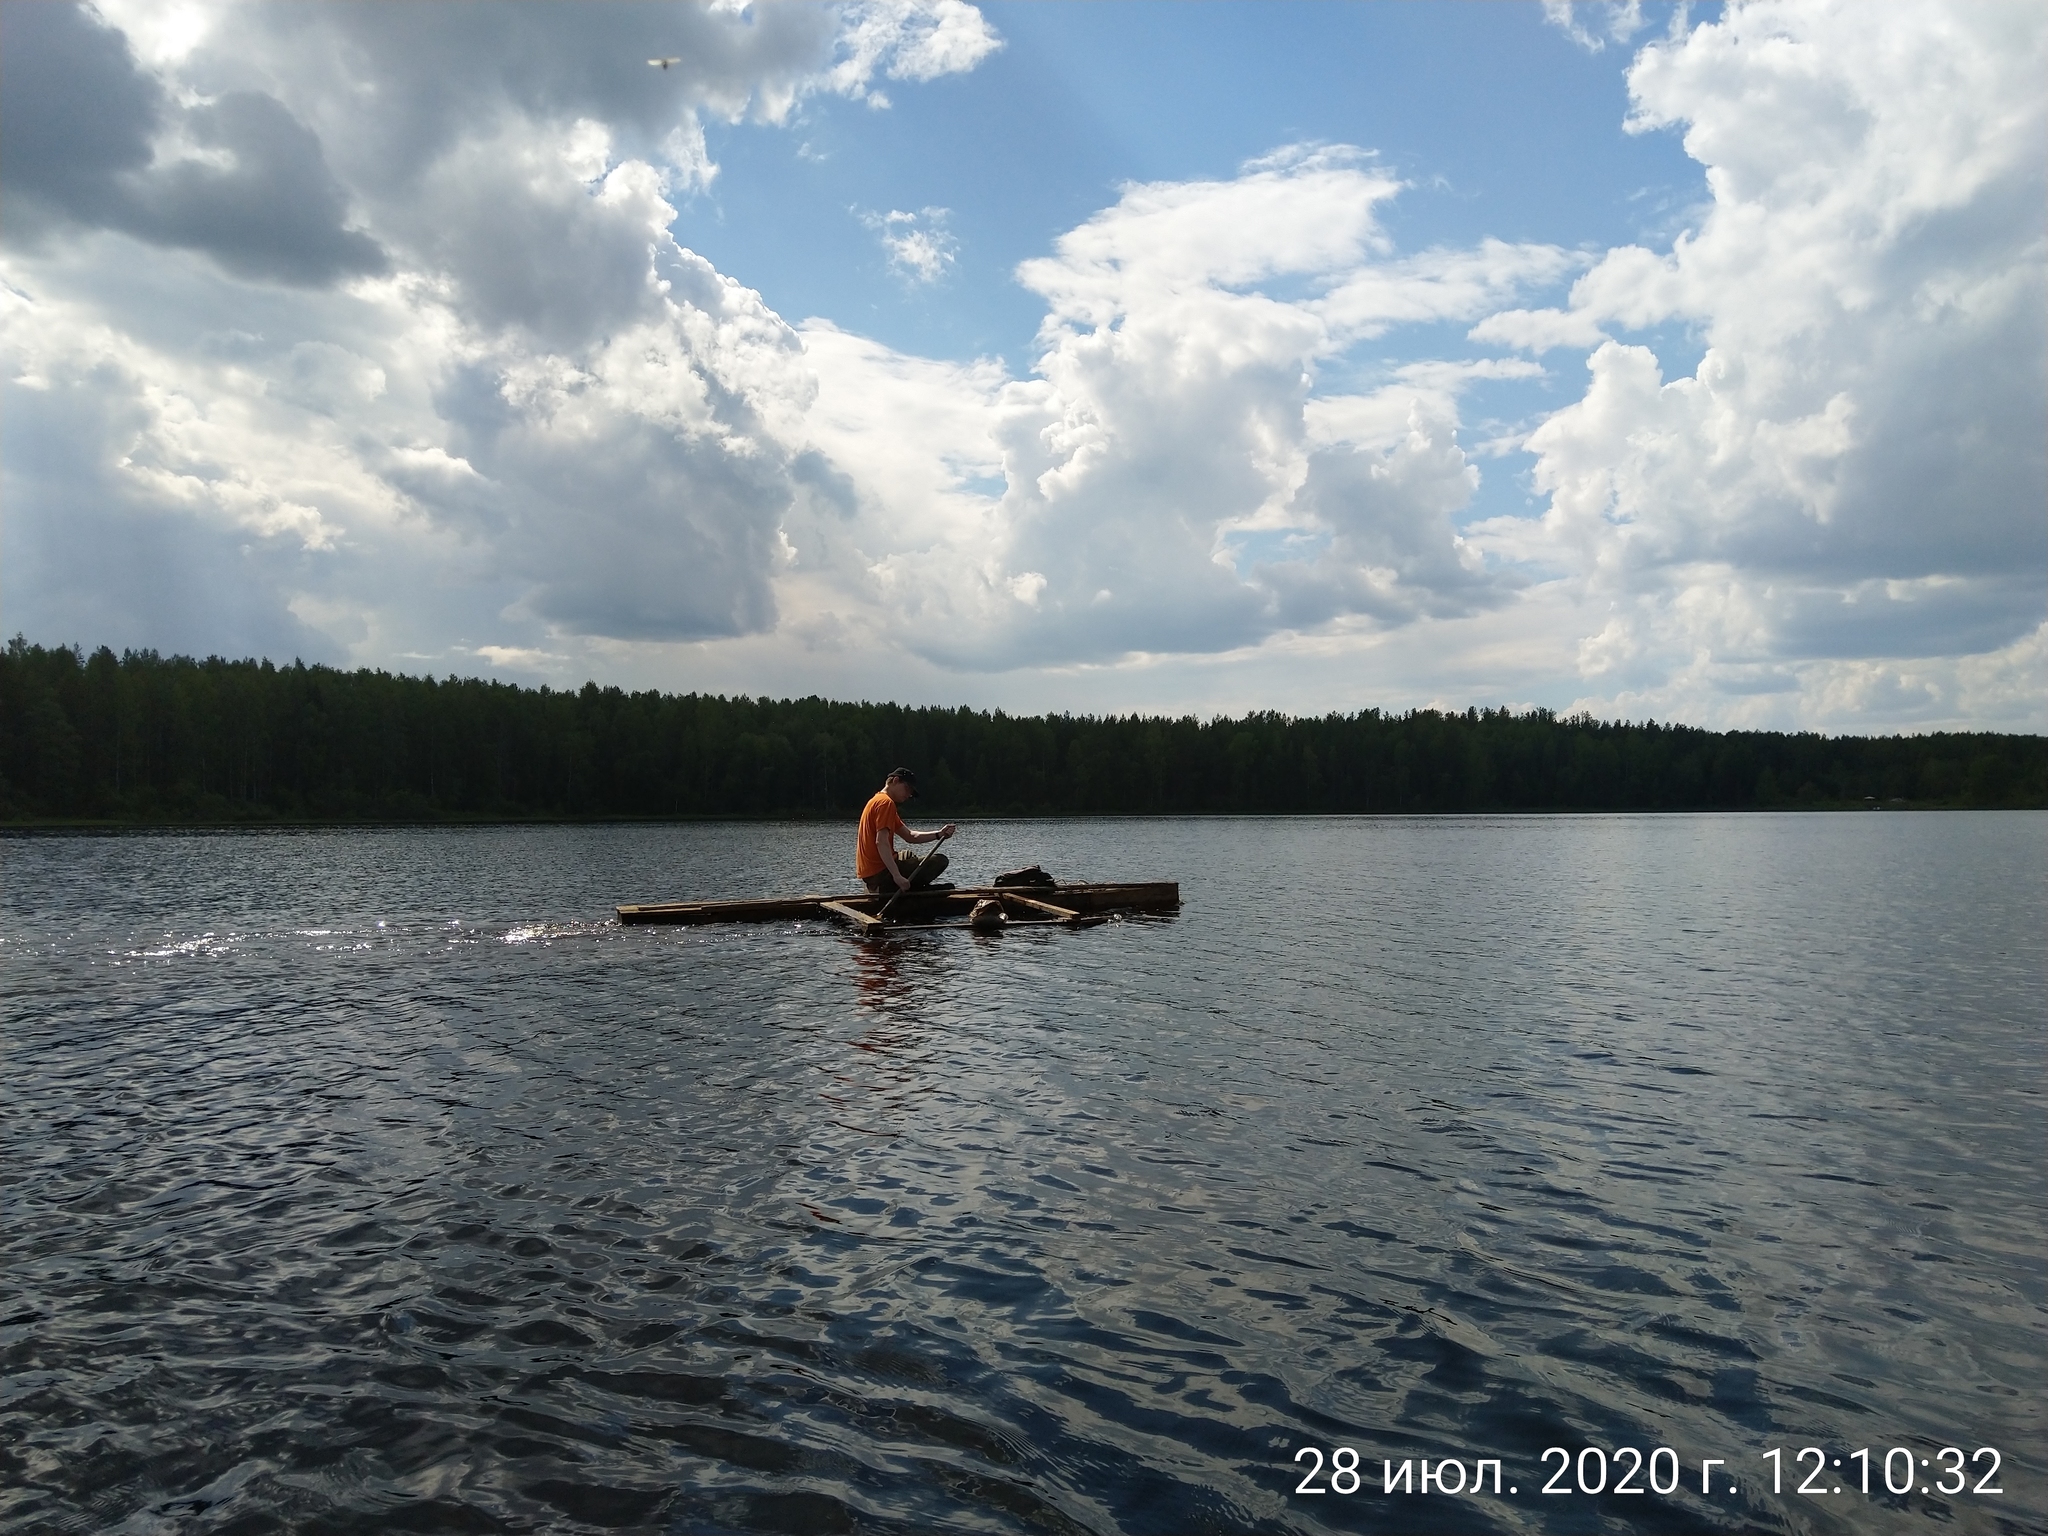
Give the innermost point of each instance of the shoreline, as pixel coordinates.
(56, 825)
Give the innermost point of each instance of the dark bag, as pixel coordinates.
(1034, 876)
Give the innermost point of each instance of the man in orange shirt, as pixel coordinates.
(881, 823)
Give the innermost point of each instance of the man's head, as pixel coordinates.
(901, 785)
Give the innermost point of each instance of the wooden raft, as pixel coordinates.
(1072, 905)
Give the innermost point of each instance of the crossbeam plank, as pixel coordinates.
(1064, 914)
(866, 922)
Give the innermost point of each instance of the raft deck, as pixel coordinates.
(940, 906)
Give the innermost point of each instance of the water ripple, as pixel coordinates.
(374, 1181)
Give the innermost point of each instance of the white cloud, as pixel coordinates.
(1440, 285)
(435, 71)
(1169, 482)
(538, 418)
(520, 658)
(1538, 330)
(1855, 472)
(460, 393)
(1309, 212)
(909, 40)
(920, 246)
(1593, 24)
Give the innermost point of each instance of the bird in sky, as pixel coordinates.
(664, 63)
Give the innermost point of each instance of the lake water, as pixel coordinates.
(366, 1181)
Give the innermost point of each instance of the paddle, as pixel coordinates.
(916, 881)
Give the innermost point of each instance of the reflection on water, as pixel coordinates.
(376, 1180)
(878, 971)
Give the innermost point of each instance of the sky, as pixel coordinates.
(1653, 361)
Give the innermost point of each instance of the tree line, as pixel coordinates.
(144, 738)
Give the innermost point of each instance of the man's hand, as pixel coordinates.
(902, 880)
(948, 830)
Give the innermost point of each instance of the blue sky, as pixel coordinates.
(1646, 360)
(1500, 123)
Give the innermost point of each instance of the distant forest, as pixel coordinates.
(143, 738)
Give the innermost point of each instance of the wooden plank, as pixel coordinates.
(774, 909)
(1064, 914)
(866, 922)
(1153, 895)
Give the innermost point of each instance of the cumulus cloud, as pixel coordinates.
(513, 407)
(87, 137)
(588, 431)
(1161, 488)
(95, 551)
(437, 379)
(1855, 471)
(439, 74)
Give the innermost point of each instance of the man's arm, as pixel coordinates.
(885, 845)
(929, 837)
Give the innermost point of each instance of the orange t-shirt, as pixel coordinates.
(879, 814)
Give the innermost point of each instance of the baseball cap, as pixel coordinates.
(907, 777)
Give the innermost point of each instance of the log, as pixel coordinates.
(1153, 896)
(772, 910)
